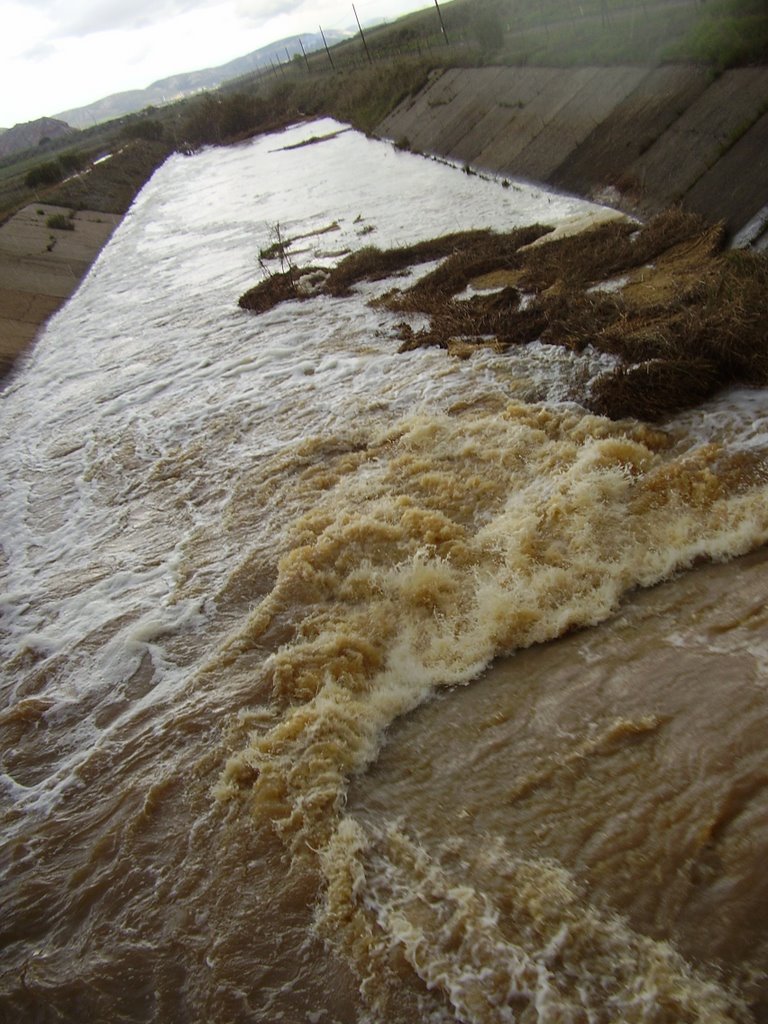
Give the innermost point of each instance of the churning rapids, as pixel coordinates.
(248, 563)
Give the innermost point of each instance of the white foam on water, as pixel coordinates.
(162, 447)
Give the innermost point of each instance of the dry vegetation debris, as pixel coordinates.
(686, 318)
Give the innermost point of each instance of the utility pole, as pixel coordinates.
(370, 60)
(325, 44)
(305, 54)
(442, 26)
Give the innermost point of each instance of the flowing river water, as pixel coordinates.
(330, 692)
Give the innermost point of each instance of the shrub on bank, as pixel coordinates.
(216, 118)
(59, 222)
(71, 162)
(49, 173)
(53, 171)
(147, 128)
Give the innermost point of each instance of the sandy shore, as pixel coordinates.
(40, 267)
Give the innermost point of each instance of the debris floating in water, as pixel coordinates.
(688, 320)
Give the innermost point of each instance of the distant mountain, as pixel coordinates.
(178, 86)
(31, 134)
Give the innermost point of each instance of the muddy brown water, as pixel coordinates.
(347, 686)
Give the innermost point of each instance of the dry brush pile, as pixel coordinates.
(684, 317)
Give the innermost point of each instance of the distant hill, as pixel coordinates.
(31, 134)
(166, 90)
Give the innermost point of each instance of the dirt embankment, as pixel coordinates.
(641, 138)
(41, 265)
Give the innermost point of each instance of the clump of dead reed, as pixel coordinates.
(695, 322)
(688, 320)
(679, 353)
(466, 254)
(486, 253)
(650, 390)
(281, 286)
(374, 264)
(613, 248)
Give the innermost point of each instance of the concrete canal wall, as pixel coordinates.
(642, 138)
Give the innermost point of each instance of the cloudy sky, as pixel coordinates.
(60, 54)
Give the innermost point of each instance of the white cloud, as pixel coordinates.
(84, 17)
(60, 54)
(23, 28)
(40, 51)
(267, 9)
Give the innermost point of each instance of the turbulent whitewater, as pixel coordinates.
(329, 690)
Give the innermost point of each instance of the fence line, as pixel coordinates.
(334, 61)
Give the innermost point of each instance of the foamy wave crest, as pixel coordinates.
(441, 544)
(496, 939)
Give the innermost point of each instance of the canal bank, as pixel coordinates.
(640, 138)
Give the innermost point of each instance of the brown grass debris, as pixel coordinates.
(689, 320)
(275, 288)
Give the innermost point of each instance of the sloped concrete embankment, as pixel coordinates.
(647, 138)
(40, 267)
